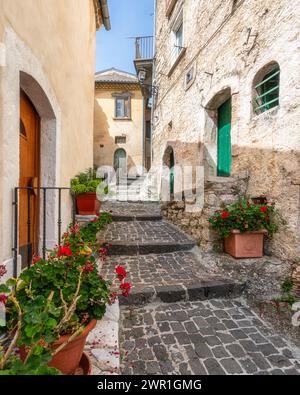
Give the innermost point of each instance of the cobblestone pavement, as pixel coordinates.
(214, 337)
(196, 333)
(143, 232)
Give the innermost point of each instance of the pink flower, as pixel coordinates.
(64, 251)
(74, 229)
(121, 272)
(2, 270)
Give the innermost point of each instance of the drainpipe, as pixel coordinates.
(105, 14)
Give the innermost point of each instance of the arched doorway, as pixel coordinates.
(217, 134)
(38, 168)
(169, 161)
(120, 163)
(29, 168)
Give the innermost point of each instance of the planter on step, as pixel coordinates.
(87, 204)
(245, 245)
(70, 357)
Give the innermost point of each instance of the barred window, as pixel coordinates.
(267, 90)
(120, 140)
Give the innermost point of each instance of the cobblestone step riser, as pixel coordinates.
(128, 218)
(145, 249)
(179, 293)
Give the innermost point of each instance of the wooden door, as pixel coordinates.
(224, 139)
(29, 176)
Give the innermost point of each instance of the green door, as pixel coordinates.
(224, 139)
(120, 163)
(172, 164)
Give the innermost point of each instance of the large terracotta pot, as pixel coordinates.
(68, 359)
(85, 366)
(87, 204)
(245, 245)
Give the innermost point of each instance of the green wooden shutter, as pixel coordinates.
(224, 139)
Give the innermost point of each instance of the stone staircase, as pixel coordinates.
(161, 260)
(134, 189)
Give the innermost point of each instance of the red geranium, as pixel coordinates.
(3, 299)
(263, 209)
(121, 272)
(89, 267)
(2, 270)
(125, 287)
(224, 214)
(36, 259)
(103, 251)
(64, 251)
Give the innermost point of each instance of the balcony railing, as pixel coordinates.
(144, 47)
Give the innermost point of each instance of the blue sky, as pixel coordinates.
(129, 18)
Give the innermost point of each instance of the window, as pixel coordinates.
(122, 107)
(120, 140)
(177, 38)
(267, 90)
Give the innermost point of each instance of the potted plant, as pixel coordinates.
(84, 186)
(243, 225)
(59, 299)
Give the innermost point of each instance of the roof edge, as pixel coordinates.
(102, 14)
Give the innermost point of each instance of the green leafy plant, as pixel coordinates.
(85, 182)
(56, 296)
(246, 216)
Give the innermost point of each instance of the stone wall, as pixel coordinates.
(227, 44)
(217, 193)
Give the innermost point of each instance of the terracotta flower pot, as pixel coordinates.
(245, 245)
(87, 204)
(68, 359)
(85, 366)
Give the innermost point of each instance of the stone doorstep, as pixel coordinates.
(102, 344)
(127, 218)
(135, 248)
(188, 292)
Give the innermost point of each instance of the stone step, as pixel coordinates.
(183, 293)
(170, 277)
(136, 217)
(145, 237)
(134, 248)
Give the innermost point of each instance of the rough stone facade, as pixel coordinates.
(227, 47)
(218, 191)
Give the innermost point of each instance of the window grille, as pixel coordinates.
(268, 92)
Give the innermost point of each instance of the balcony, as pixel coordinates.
(144, 48)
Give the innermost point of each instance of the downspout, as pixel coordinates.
(105, 14)
(153, 82)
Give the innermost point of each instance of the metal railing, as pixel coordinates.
(42, 195)
(144, 47)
